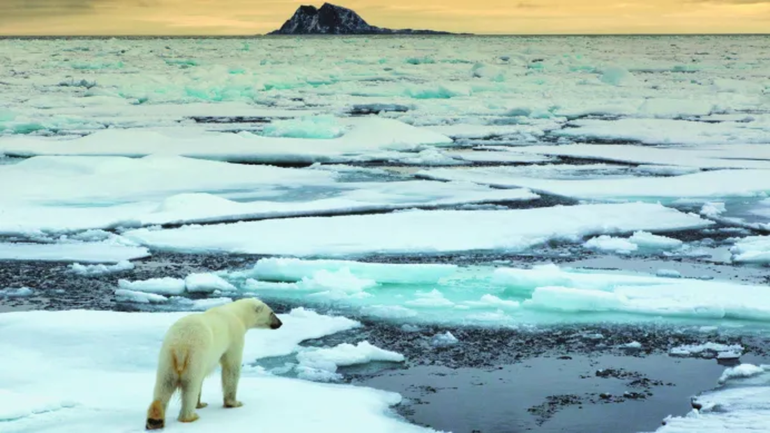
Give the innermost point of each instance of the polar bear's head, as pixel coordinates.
(259, 315)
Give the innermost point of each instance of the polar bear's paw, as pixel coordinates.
(189, 418)
(155, 416)
(201, 405)
(233, 404)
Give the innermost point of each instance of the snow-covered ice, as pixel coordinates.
(291, 269)
(739, 404)
(139, 297)
(752, 249)
(160, 286)
(741, 371)
(701, 156)
(443, 340)
(322, 363)
(698, 349)
(418, 231)
(105, 370)
(77, 193)
(87, 252)
(640, 240)
(206, 283)
(364, 135)
(710, 184)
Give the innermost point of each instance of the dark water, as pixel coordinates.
(553, 395)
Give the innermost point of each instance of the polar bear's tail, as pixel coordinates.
(179, 368)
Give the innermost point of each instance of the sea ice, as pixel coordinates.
(719, 183)
(741, 371)
(735, 410)
(432, 299)
(103, 192)
(609, 243)
(444, 340)
(664, 131)
(345, 354)
(160, 286)
(342, 280)
(712, 209)
(639, 240)
(290, 269)
(206, 283)
(126, 295)
(550, 288)
(364, 135)
(697, 156)
(21, 292)
(82, 388)
(752, 249)
(668, 273)
(711, 348)
(617, 76)
(100, 269)
(89, 252)
(324, 127)
(418, 231)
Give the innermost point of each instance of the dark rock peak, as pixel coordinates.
(331, 19)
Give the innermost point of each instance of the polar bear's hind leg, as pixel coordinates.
(156, 414)
(201, 405)
(191, 390)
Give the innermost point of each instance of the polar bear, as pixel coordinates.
(193, 347)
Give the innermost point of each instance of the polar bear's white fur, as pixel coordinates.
(192, 349)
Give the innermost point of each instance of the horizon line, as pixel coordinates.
(463, 34)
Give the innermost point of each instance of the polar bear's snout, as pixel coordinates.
(275, 322)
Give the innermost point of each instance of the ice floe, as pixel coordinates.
(364, 135)
(21, 292)
(77, 193)
(315, 363)
(696, 156)
(418, 231)
(100, 269)
(111, 357)
(87, 252)
(703, 185)
(752, 249)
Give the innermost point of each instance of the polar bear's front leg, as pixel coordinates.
(231, 374)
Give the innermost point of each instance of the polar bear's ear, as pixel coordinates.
(259, 308)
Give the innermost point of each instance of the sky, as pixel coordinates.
(248, 17)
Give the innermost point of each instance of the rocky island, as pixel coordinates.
(330, 19)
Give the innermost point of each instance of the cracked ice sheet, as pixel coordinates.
(419, 231)
(365, 136)
(700, 156)
(667, 131)
(704, 185)
(105, 371)
(55, 194)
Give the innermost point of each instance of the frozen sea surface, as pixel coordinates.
(441, 186)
